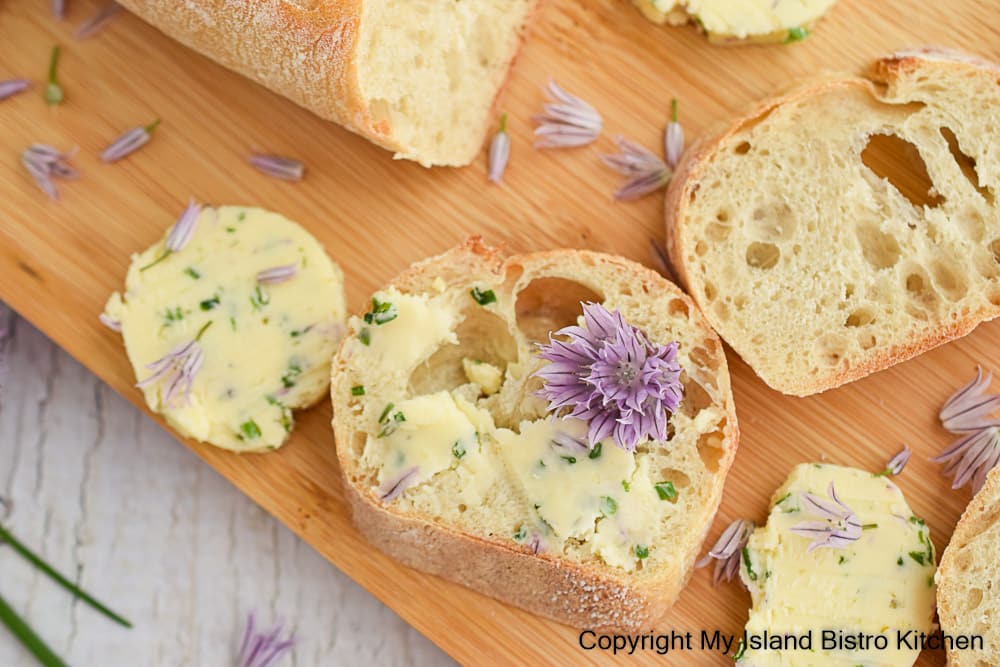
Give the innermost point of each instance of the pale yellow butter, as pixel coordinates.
(486, 376)
(267, 348)
(880, 585)
(740, 19)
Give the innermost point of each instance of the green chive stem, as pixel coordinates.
(673, 110)
(24, 634)
(503, 122)
(54, 64)
(152, 126)
(75, 590)
(203, 329)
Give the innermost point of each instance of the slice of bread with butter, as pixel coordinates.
(845, 600)
(740, 21)
(848, 225)
(969, 579)
(453, 465)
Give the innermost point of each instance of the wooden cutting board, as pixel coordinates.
(60, 260)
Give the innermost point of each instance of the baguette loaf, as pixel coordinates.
(440, 376)
(850, 224)
(968, 578)
(419, 78)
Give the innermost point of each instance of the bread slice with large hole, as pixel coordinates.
(420, 77)
(469, 520)
(968, 579)
(847, 225)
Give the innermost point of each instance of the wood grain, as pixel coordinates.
(58, 261)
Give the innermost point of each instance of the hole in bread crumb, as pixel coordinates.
(742, 148)
(705, 357)
(677, 308)
(676, 477)
(482, 336)
(763, 255)
(721, 311)
(881, 250)
(771, 222)
(700, 248)
(867, 341)
(860, 318)
(974, 599)
(695, 397)
(899, 162)
(995, 249)
(709, 291)
(849, 290)
(547, 304)
(722, 216)
(832, 348)
(716, 232)
(993, 295)
(967, 164)
(710, 447)
(948, 281)
(462, 508)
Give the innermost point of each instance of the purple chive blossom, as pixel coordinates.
(260, 649)
(896, 463)
(110, 322)
(728, 550)
(277, 274)
(183, 229)
(567, 121)
(499, 152)
(838, 525)
(279, 167)
(98, 21)
(570, 444)
(611, 375)
(58, 9)
(535, 543)
(129, 142)
(645, 173)
(673, 139)
(13, 87)
(977, 451)
(177, 370)
(46, 163)
(394, 487)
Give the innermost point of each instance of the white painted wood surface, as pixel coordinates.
(104, 493)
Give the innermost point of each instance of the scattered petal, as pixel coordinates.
(110, 322)
(279, 167)
(394, 487)
(673, 139)
(897, 463)
(567, 121)
(46, 163)
(260, 649)
(965, 410)
(977, 451)
(837, 526)
(611, 375)
(129, 142)
(98, 21)
(277, 274)
(58, 9)
(12, 87)
(177, 370)
(727, 550)
(183, 229)
(645, 173)
(499, 152)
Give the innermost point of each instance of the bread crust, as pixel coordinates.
(688, 176)
(305, 51)
(583, 596)
(979, 514)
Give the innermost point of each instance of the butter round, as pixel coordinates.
(265, 347)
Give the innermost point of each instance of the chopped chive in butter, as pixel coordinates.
(746, 561)
(385, 413)
(608, 505)
(458, 449)
(365, 336)
(483, 297)
(259, 298)
(917, 520)
(358, 390)
(741, 648)
(382, 312)
(286, 419)
(899, 561)
(209, 304)
(569, 459)
(250, 430)
(919, 557)
(796, 34)
(288, 379)
(192, 272)
(520, 534)
(869, 526)
(230, 229)
(626, 485)
(784, 498)
(666, 491)
(841, 559)
(595, 453)
(389, 423)
(232, 323)
(241, 216)
(173, 315)
(301, 332)
(641, 551)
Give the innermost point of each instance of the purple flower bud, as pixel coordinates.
(277, 274)
(129, 142)
(183, 229)
(499, 152)
(393, 488)
(13, 87)
(727, 550)
(279, 167)
(58, 9)
(45, 163)
(897, 462)
(110, 322)
(567, 121)
(674, 138)
(645, 172)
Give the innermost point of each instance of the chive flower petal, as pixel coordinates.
(12, 87)
(897, 462)
(837, 524)
(182, 231)
(279, 167)
(499, 152)
(277, 274)
(727, 550)
(177, 370)
(609, 374)
(567, 121)
(46, 163)
(110, 322)
(967, 414)
(98, 21)
(645, 172)
(260, 648)
(394, 487)
(673, 140)
(128, 143)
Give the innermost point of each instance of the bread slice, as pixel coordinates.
(742, 22)
(420, 77)
(968, 579)
(849, 224)
(478, 520)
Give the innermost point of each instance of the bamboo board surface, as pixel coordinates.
(59, 261)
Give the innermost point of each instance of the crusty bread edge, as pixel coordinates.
(322, 42)
(687, 177)
(540, 584)
(968, 527)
